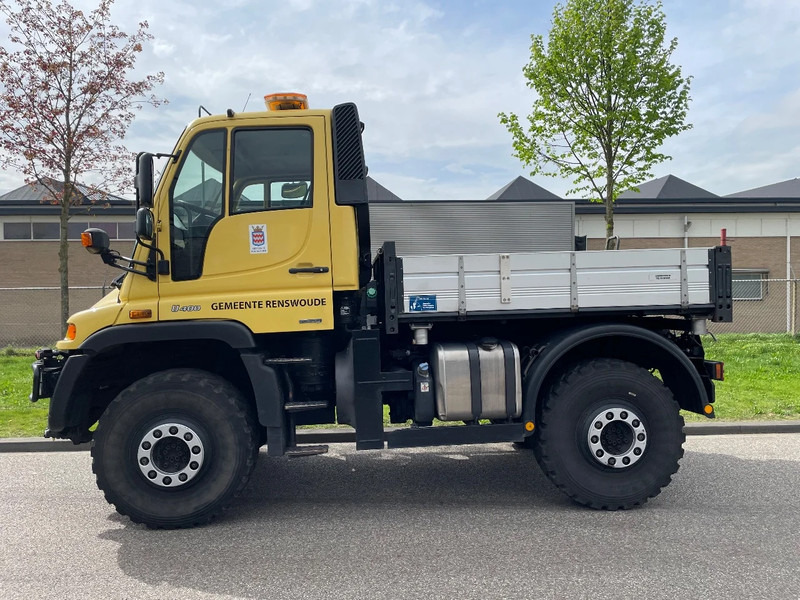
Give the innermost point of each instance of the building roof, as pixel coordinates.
(668, 187)
(522, 189)
(34, 199)
(691, 205)
(377, 193)
(784, 189)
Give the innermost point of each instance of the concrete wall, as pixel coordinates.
(35, 264)
(31, 317)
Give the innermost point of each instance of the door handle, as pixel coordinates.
(295, 270)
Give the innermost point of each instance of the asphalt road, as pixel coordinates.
(469, 522)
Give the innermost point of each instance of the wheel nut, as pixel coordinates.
(173, 430)
(599, 453)
(635, 422)
(193, 465)
(612, 461)
(623, 415)
(152, 474)
(195, 449)
(637, 451)
(595, 439)
(640, 437)
(146, 446)
(187, 436)
(167, 480)
(609, 415)
(157, 433)
(183, 477)
(144, 460)
(626, 460)
(598, 425)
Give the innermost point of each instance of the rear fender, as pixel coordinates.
(627, 342)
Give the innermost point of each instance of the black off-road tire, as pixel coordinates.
(164, 408)
(601, 412)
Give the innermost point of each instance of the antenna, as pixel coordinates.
(246, 101)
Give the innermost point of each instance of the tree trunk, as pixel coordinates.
(63, 259)
(609, 204)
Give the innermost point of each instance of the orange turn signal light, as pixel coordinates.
(708, 409)
(529, 426)
(86, 239)
(715, 369)
(141, 313)
(71, 332)
(719, 371)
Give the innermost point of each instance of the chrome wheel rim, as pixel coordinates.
(616, 437)
(170, 455)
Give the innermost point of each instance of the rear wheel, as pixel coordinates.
(175, 448)
(610, 434)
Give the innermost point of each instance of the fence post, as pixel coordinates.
(794, 306)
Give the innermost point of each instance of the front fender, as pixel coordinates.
(71, 399)
(67, 408)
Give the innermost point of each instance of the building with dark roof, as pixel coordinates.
(784, 189)
(762, 226)
(377, 193)
(522, 189)
(668, 187)
(29, 245)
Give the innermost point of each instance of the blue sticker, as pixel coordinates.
(421, 303)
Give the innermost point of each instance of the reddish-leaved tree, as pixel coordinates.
(67, 99)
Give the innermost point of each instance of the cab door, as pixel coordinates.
(249, 235)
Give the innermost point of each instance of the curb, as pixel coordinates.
(335, 436)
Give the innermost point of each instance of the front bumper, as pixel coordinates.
(55, 376)
(46, 371)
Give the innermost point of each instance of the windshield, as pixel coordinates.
(196, 202)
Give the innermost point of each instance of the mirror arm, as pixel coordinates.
(174, 157)
(110, 257)
(151, 247)
(162, 264)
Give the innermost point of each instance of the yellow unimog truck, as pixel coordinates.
(251, 304)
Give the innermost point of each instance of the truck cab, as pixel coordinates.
(245, 226)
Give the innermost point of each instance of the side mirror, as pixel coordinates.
(294, 190)
(144, 224)
(95, 240)
(144, 179)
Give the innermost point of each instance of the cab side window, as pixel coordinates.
(196, 203)
(272, 169)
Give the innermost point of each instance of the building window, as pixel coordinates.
(46, 231)
(16, 231)
(75, 229)
(109, 228)
(750, 284)
(125, 231)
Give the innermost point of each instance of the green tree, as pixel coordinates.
(66, 99)
(607, 97)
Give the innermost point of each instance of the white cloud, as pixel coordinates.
(430, 77)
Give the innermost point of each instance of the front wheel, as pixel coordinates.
(174, 449)
(610, 434)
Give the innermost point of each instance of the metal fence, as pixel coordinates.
(30, 317)
(763, 306)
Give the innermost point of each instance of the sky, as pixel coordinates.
(429, 78)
